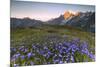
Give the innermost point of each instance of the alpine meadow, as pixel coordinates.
(51, 33)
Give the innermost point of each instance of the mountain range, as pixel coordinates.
(82, 20)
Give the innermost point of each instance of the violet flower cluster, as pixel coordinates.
(55, 53)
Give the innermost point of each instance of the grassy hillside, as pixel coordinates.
(30, 35)
(49, 36)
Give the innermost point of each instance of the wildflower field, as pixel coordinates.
(51, 45)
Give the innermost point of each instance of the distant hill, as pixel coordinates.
(24, 23)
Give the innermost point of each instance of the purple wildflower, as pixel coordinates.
(72, 58)
(29, 54)
(22, 57)
(32, 63)
(61, 62)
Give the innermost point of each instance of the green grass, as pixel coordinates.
(45, 34)
(28, 36)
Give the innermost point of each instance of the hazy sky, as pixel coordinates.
(44, 11)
